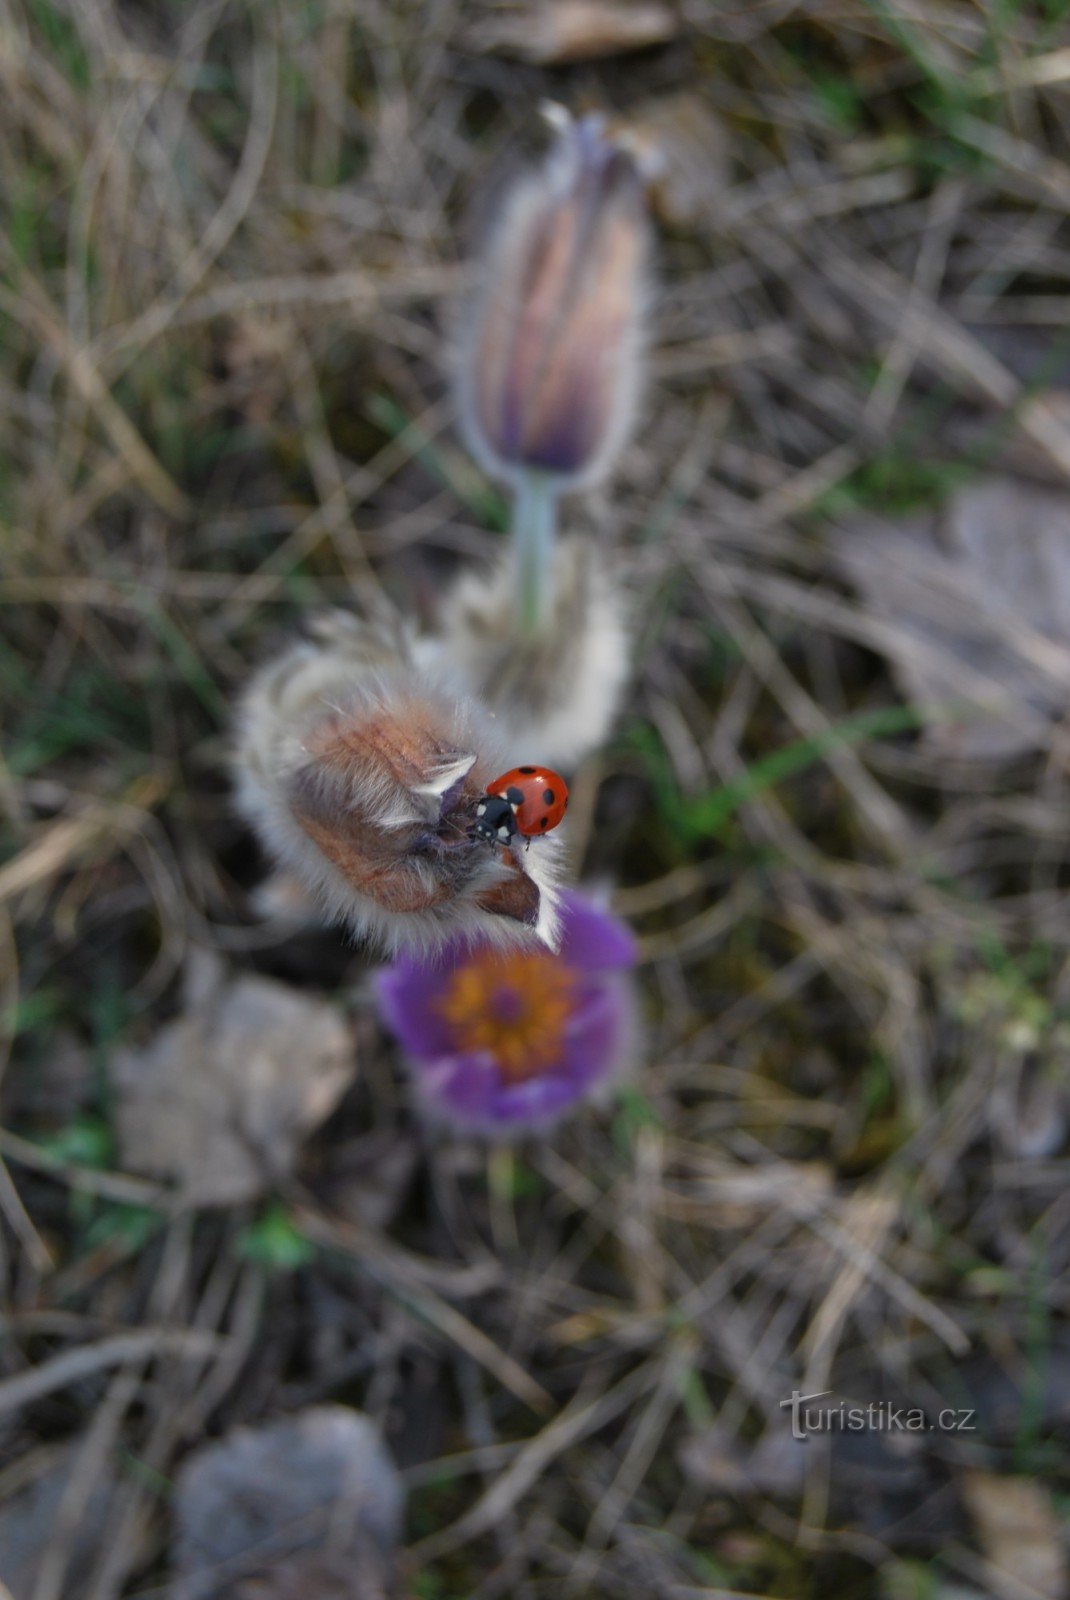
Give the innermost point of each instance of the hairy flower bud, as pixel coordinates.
(555, 692)
(364, 782)
(549, 365)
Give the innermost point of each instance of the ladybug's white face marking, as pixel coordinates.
(495, 820)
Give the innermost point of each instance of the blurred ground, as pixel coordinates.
(232, 235)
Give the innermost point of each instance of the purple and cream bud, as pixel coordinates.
(550, 360)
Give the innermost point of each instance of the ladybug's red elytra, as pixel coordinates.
(528, 800)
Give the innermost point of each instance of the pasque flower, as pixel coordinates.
(361, 774)
(549, 363)
(503, 1043)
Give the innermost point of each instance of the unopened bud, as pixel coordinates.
(556, 692)
(549, 365)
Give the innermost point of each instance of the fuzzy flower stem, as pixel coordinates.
(534, 527)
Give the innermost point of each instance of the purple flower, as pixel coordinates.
(509, 1041)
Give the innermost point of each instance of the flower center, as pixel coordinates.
(512, 1006)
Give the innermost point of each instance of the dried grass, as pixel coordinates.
(232, 241)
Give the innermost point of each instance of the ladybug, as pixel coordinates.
(528, 800)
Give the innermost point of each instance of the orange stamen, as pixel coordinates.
(514, 1007)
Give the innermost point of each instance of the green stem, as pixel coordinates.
(534, 526)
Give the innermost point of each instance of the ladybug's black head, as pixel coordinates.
(495, 820)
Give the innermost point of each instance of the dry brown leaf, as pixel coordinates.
(1020, 1534)
(221, 1099)
(552, 33)
(972, 607)
(287, 1504)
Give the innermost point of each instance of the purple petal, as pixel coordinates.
(593, 939)
(470, 1092)
(462, 1084)
(407, 992)
(535, 1103)
(600, 1038)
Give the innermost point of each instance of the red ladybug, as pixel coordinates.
(528, 800)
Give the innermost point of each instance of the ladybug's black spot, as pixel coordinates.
(543, 821)
(515, 796)
(525, 769)
(549, 796)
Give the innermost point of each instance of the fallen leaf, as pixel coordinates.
(279, 1510)
(1020, 1534)
(221, 1099)
(972, 605)
(562, 31)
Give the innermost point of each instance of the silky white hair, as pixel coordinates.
(555, 693)
(349, 756)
